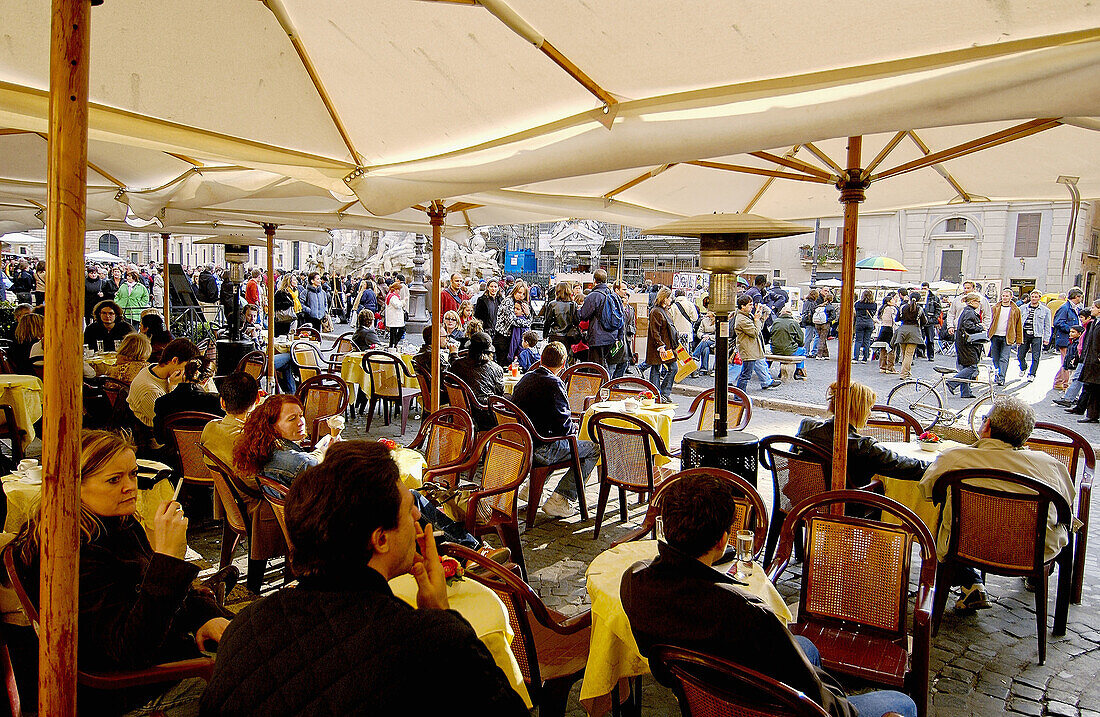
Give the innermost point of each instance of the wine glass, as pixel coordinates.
(745, 544)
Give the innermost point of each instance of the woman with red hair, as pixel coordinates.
(270, 441)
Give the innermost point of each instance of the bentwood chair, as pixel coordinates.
(854, 592)
(184, 431)
(625, 387)
(254, 363)
(274, 494)
(445, 438)
(461, 395)
(627, 445)
(505, 455)
(999, 525)
(507, 412)
(324, 396)
(1075, 453)
(709, 686)
(117, 680)
(800, 470)
(582, 380)
(551, 649)
(387, 374)
(342, 346)
(738, 410)
(307, 333)
(11, 433)
(242, 521)
(887, 423)
(750, 513)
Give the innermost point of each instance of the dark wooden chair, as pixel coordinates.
(5, 363)
(750, 514)
(625, 387)
(507, 412)
(461, 395)
(551, 649)
(274, 494)
(342, 346)
(184, 431)
(582, 381)
(627, 446)
(306, 359)
(445, 438)
(891, 424)
(122, 679)
(506, 453)
(1071, 449)
(1003, 531)
(387, 374)
(709, 686)
(324, 396)
(11, 433)
(854, 593)
(117, 393)
(307, 333)
(254, 363)
(738, 410)
(799, 470)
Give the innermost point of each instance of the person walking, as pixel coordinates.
(748, 327)
(968, 345)
(603, 311)
(1089, 403)
(910, 333)
(824, 315)
(619, 364)
(932, 311)
(315, 303)
(561, 323)
(887, 316)
(1065, 318)
(1005, 331)
(662, 338)
(809, 305)
(132, 296)
(395, 314)
(1037, 330)
(864, 325)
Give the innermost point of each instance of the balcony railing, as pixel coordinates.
(826, 253)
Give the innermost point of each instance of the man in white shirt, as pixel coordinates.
(951, 322)
(153, 382)
(1000, 445)
(684, 315)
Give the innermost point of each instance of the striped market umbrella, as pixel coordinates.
(882, 263)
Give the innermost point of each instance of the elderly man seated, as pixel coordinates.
(680, 600)
(340, 642)
(1001, 445)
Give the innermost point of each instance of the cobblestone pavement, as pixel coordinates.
(981, 664)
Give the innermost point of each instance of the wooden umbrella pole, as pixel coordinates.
(62, 404)
(269, 230)
(852, 191)
(436, 213)
(164, 237)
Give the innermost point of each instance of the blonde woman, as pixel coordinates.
(133, 355)
(26, 352)
(866, 457)
(287, 304)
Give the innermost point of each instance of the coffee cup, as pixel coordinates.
(26, 464)
(34, 475)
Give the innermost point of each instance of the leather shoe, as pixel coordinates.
(1088, 420)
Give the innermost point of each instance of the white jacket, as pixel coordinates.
(395, 312)
(684, 323)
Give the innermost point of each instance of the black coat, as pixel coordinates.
(486, 378)
(541, 395)
(866, 458)
(1090, 357)
(865, 314)
(96, 331)
(485, 311)
(346, 646)
(561, 322)
(967, 353)
(184, 397)
(92, 291)
(677, 600)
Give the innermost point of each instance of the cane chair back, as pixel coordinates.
(210, 351)
(460, 394)
(385, 373)
(507, 462)
(341, 346)
(323, 396)
(738, 410)
(626, 449)
(235, 510)
(307, 333)
(625, 387)
(1071, 449)
(891, 424)
(184, 432)
(799, 469)
(275, 494)
(445, 437)
(581, 381)
(306, 359)
(254, 363)
(708, 686)
(114, 389)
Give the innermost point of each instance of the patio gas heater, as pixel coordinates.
(232, 348)
(726, 242)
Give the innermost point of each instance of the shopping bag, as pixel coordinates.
(687, 364)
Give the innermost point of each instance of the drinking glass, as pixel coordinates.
(605, 393)
(660, 528)
(745, 543)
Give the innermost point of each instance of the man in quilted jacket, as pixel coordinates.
(341, 643)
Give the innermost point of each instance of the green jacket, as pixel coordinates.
(786, 336)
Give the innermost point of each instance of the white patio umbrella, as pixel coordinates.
(103, 257)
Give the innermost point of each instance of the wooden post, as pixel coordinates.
(269, 230)
(852, 192)
(436, 213)
(164, 237)
(62, 401)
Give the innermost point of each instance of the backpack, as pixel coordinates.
(821, 316)
(611, 313)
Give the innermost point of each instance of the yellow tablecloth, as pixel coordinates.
(907, 492)
(613, 654)
(486, 614)
(351, 370)
(24, 395)
(101, 362)
(658, 416)
(510, 383)
(411, 466)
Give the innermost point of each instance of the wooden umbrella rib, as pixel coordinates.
(185, 158)
(812, 149)
(637, 180)
(885, 152)
(795, 164)
(577, 74)
(463, 206)
(770, 173)
(767, 183)
(963, 194)
(1019, 131)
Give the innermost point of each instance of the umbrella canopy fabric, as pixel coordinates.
(881, 263)
(103, 257)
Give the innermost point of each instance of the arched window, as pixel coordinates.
(109, 243)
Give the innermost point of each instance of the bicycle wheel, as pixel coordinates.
(918, 398)
(979, 412)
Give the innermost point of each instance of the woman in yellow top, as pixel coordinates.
(287, 304)
(133, 355)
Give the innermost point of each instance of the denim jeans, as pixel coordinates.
(809, 341)
(618, 370)
(1075, 385)
(862, 350)
(702, 353)
(1000, 352)
(558, 451)
(760, 368)
(285, 368)
(1035, 346)
(869, 704)
(178, 700)
(456, 532)
(964, 372)
(663, 376)
(930, 342)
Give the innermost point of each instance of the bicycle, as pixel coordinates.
(926, 401)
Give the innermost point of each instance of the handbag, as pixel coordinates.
(286, 315)
(326, 324)
(978, 337)
(687, 364)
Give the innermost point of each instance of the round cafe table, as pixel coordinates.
(486, 614)
(659, 416)
(613, 655)
(24, 395)
(100, 363)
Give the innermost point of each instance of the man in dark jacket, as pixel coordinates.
(93, 291)
(932, 311)
(968, 353)
(207, 288)
(680, 600)
(341, 643)
(541, 395)
(601, 338)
